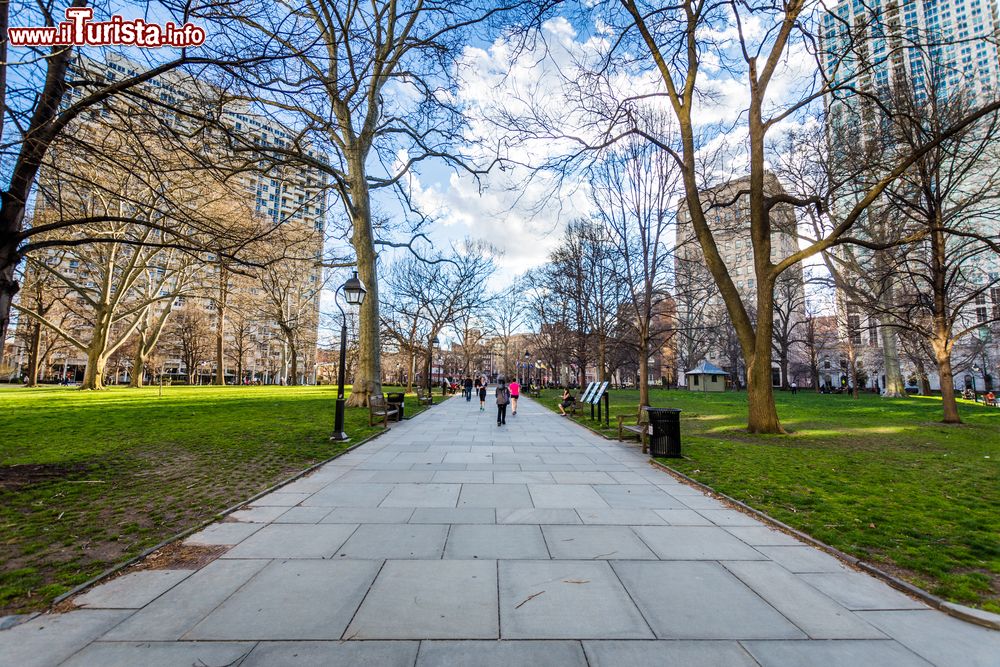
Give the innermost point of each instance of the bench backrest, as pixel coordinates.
(376, 402)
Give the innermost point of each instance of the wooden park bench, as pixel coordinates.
(535, 392)
(641, 427)
(379, 410)
(424, 397)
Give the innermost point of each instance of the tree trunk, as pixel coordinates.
(942, 357)
(220, 328)
(368, 376)
(93, 378)
(894, 385)
(35, 355)
(138, 366)
(8, 286)
(644, 367)
(294, 353)
(783, 366)
(925, 382)
(762, 415)
(97, 356)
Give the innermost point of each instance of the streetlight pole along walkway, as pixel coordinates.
(354, 293)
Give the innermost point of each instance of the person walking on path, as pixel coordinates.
(482, 396)
(467, 388)
(795, 388)
(515, 391)
(503, 398)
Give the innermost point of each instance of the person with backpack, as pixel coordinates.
(503, 398)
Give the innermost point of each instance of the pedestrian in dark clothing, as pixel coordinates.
(503, 398)
(467, 388)
(482, 396)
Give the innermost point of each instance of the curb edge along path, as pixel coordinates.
(428, 544)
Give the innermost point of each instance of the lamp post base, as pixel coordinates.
(338, 420)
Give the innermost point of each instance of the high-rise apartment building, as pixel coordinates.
(702, 319)
(291, 198)
(948, 50)
(875, 43)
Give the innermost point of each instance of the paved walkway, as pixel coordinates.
(428, 544)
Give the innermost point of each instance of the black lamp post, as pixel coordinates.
(527, 368)
(354, 293)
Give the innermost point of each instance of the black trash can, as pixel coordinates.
(395, 399)
(666, 438)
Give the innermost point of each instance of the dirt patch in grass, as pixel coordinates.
(180, 556)
(16, 477)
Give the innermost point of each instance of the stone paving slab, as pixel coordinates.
(942, 640)
(454, 515)
(178, 610)
(538, 516)
(833, 654)
(50, 639)
(430, 600)
(595, 542)
(224, 533)
(292, 599)
(680, 653)
(701, 600)
(332, 654)
(803, 559)
(391, 540)
(293, 541)
(566, 600)
(860, 592)
(696, 543)
(566, 496)
(493, 542)
(451, 541)
(501, 654)
(508, 496)
(816, 614)
(156, 654)
(360, 515)
(133, 590)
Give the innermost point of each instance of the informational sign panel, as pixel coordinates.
(585, 398)
(598, 392)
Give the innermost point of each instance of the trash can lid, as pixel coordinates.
(663, 409)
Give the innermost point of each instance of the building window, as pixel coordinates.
(854, 328)
(694, 380)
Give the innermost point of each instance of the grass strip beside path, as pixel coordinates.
(90, 479)
(880, 479)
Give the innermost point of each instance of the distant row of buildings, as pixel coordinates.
(269, 194)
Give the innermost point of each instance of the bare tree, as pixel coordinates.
(432, 297)
(634, 189)
(290, 298)
(44, 95)
(372, 82)
(190, 338)
(696, 50)
(789, 319)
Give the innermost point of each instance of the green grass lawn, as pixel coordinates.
(90, 479)
(880, 479)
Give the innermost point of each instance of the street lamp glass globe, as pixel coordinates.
(354, 290)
